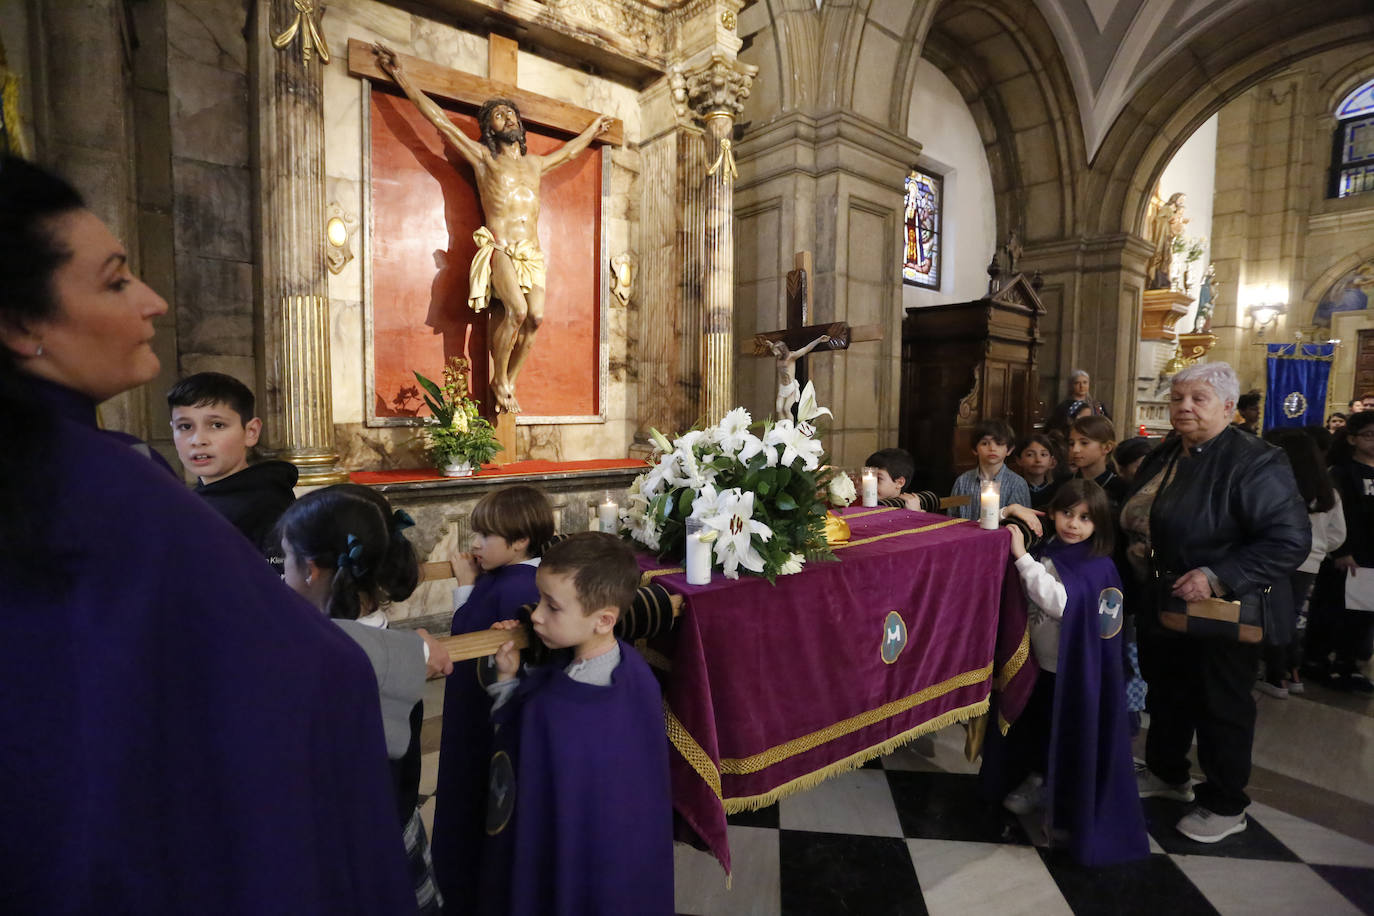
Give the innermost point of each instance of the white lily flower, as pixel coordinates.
(795, 444)
(663, 444)
(793, 564)
(806, 407)
(685, 471)
(733, 432)
(735, 526)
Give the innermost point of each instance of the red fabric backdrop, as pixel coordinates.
(424, 211)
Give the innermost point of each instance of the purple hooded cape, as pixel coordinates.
(580, 815)
(179, 732)
(460, 811)
(1091, 784)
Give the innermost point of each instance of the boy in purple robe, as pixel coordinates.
(495, 579)
(579, 814)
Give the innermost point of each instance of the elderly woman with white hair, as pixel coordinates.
(1079, 397)
(1215, 513)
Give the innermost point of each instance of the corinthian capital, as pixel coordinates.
(720, 84)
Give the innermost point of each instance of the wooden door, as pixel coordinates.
(1364, 369)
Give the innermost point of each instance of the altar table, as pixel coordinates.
(774, 688)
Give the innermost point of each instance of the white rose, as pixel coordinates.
(841, 490)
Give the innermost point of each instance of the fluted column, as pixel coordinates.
(293, 348)
(714, 92)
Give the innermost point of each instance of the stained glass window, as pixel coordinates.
(924, 229)
(1352, 154)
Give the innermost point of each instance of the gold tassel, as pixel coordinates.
(726, 156)
(304, 23)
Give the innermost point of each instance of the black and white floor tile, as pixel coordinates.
(909, 834)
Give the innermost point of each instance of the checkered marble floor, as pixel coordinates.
(909, 834)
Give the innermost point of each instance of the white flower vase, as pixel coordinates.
(457, 468)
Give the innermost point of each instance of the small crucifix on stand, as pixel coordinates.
(790, 344)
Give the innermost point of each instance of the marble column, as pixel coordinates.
(714, 92)
(288, 53)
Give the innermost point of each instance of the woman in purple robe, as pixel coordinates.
(179, 732)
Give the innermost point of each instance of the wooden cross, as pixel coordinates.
(798, 333)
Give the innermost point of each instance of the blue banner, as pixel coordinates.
(1297, 378)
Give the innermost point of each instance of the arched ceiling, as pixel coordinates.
(1111, 47)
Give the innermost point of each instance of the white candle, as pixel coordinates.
(870, 486)
(990, 505)
(698, 560)
(609, 513)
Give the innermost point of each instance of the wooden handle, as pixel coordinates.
(482, 643)
(439, 569)
(949, 502)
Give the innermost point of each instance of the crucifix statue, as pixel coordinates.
(798, 339)
(508, 263)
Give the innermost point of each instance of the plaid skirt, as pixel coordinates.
(427, 896)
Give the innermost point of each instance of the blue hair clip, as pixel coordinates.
(400, 521)
(353, 558)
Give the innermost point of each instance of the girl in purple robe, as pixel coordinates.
(495, 579)
(179, 732)
(1072, 741)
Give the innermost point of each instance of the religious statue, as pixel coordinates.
(1013, 250)
(1166, 224)
(789, 392)
(1206, 301)
(508, 263)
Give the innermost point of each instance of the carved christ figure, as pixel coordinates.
(789, 392)
(508, 263)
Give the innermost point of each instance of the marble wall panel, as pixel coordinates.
(343, 125)
(346, 357)
(209, 113)
(208, 31)
(214, 209)
(367, 20)
(361, 448)
(891, 14)
(223, 334)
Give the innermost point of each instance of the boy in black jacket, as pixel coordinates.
(214, 429)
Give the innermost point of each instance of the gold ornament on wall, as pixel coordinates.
(339, 229)
(728, 20)
(304, 25)
(726, 158)
(623, 268)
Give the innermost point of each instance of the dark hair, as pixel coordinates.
(515, 512)
(206, 388)
(377, 566)
(1314, 483)
(1131, 450)
(489, 139)
(999, 431)
(32, 202)
(1335, 415)
(1342, 450)
(1322, 436)
(1078, 490)
(1248, 400)
(1350, 405)
(602, 567)
(896, 461)
(1049, 444)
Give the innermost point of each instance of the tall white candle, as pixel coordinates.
(990, 505)
(609, 514)
(870, 486)
(698, 560)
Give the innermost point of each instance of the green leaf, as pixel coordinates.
(429, 386)
(785, 502)
(684, 502)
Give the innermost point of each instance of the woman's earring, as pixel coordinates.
(39, 352)
(307, 579)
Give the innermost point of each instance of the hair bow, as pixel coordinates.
(400, 521)
(353, 558)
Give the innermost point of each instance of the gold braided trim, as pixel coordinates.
(853, 761)
(896, 534)
(689, 749)
(650, 575)
(1013, 665)
(774, 755)
(878, 511)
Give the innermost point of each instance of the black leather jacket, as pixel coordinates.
(1234, 507)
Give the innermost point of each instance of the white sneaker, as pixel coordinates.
(1027, 797)
(1278, 691)
(1148, 785)
(1208, 827)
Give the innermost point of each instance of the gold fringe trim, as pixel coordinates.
(781, 752)
(878, 511)
(853, 761)
(689, 749)
(1013, 665)
(897, 534)
(650, 575)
